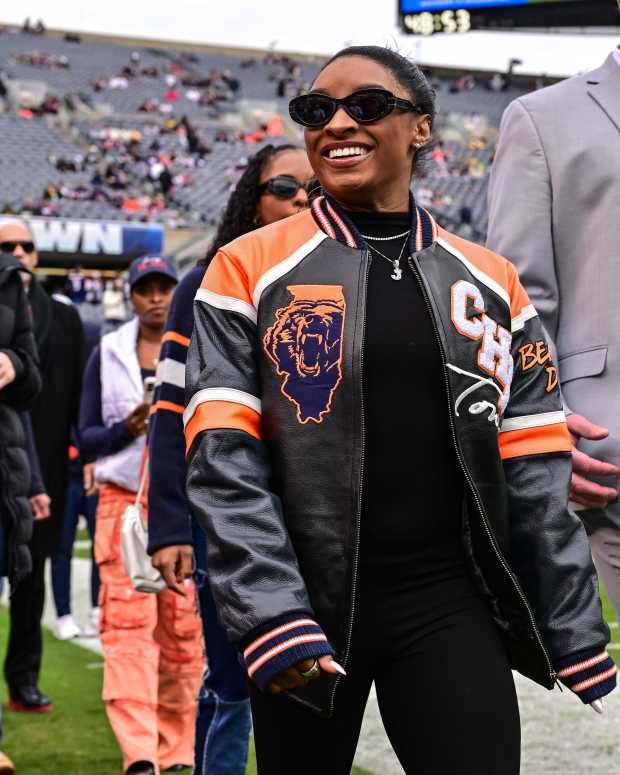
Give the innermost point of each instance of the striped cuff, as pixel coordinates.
(590, 674)
(282, 643)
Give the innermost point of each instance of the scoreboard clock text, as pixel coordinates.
(427, 23)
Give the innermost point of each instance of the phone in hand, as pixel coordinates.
(149, 389)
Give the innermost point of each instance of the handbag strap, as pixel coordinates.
(144, 469)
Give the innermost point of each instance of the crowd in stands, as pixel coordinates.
(42, 59)
(144, 173)
(208, 90)
(100, 299)
(38, 28)
(168, 165)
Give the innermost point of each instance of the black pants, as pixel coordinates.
(444, 686)
(23, 656)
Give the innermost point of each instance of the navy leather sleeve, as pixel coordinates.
(169, 509)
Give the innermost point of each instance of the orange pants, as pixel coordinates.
(152, 651)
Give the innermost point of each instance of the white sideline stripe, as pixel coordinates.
(220, 394)
(527, 313)
(226, 302)
(171, 372)
(532, 421)
(482, 276)
(281, 268)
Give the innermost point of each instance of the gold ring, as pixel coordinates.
(312, 672)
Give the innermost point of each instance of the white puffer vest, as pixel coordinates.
(121, 391)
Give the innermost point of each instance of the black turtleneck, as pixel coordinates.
(412, 491)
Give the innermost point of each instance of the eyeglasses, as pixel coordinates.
(282, 186)
(364, 106)
(10, 246)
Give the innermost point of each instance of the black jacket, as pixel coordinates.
(275, 432)
(60, 341)
(16, 341)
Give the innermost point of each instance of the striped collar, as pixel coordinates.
(331, 219)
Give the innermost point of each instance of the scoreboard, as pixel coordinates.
(426, 17)
(442, 5)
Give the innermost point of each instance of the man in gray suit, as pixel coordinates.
(554, 210)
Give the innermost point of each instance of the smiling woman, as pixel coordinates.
(366, 507)
(367, 121)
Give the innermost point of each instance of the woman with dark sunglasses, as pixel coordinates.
(270, 188)
(378, 453)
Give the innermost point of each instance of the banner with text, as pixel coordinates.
(61, 241)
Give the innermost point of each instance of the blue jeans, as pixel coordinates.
(77, 503)
(223, 720)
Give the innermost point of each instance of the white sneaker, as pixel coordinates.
(92, 627)
(66, 628)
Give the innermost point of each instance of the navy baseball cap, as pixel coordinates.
(147, 265)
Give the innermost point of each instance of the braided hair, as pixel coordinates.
(239, 217)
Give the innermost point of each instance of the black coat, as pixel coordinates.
(60, 340)
(16, 341)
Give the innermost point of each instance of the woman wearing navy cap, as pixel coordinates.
(152, 644)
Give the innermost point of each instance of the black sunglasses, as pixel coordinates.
(364, 106)
(282, 186)
(10, 245)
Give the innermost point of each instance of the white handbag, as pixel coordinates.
(134, 540)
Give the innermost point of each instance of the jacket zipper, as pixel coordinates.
(358, 524)
(417, 272)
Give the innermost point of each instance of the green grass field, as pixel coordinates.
(75, 738)
(610, 617)
(82, 551)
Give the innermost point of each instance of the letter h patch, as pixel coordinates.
(494, 354)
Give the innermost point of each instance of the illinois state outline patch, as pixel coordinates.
(305, 344)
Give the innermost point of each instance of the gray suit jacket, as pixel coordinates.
(554, 210)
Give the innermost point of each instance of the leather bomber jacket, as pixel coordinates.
(274, 429)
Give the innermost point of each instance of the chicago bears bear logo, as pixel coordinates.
(305, 344)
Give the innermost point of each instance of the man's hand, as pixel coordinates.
(88, 479)
(136, 421)
(582, 490)
(40, 506)
(293, 678)
(7, 370)
(176, 564)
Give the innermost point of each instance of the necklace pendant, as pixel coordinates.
(398, 272)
